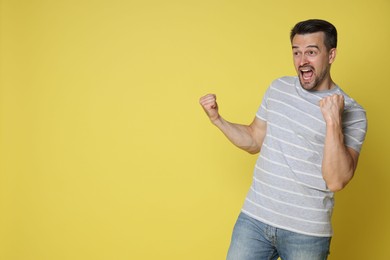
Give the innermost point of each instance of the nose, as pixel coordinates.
(303, 60)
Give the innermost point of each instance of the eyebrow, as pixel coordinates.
(309, 46)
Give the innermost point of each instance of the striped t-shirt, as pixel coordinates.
(288, 190)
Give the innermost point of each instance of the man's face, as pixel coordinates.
(312, 61)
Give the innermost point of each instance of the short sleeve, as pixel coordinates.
(262, 111)
(354, 127)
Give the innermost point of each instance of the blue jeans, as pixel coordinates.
(254, 240)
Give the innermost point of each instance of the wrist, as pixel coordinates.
(215, 120)
(331, 123)
(334, 131)
(332, 120)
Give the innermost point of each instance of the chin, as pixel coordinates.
(309, 86)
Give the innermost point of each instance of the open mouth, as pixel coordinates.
(307, 73)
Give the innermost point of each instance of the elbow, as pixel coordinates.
(253, 150)
(338, 180)
(336, 186)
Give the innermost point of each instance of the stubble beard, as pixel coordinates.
(314, 85)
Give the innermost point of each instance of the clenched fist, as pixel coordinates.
(332, 108)
(210, 106)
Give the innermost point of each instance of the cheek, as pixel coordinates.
(296, 63)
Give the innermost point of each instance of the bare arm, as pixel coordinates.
(247, 137)
(339, 162)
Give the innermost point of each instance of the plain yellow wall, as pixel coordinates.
(106, 153)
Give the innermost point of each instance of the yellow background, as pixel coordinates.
(106, 153)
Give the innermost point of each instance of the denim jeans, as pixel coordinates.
(254, 240)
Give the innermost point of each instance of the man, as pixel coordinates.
(309, 134)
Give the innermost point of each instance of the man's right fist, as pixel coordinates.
(210, 106)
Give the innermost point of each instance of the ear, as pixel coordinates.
(332, 55)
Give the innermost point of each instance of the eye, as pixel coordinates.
(311, 53)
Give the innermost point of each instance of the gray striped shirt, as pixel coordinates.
(288, 190)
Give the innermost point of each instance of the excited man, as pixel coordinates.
(309, 134)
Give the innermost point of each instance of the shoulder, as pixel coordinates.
(351, 104)
(286, 80)
(286, 83)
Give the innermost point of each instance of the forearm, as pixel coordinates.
(338, 165)
(241, 136)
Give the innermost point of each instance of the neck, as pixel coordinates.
(326, 83)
